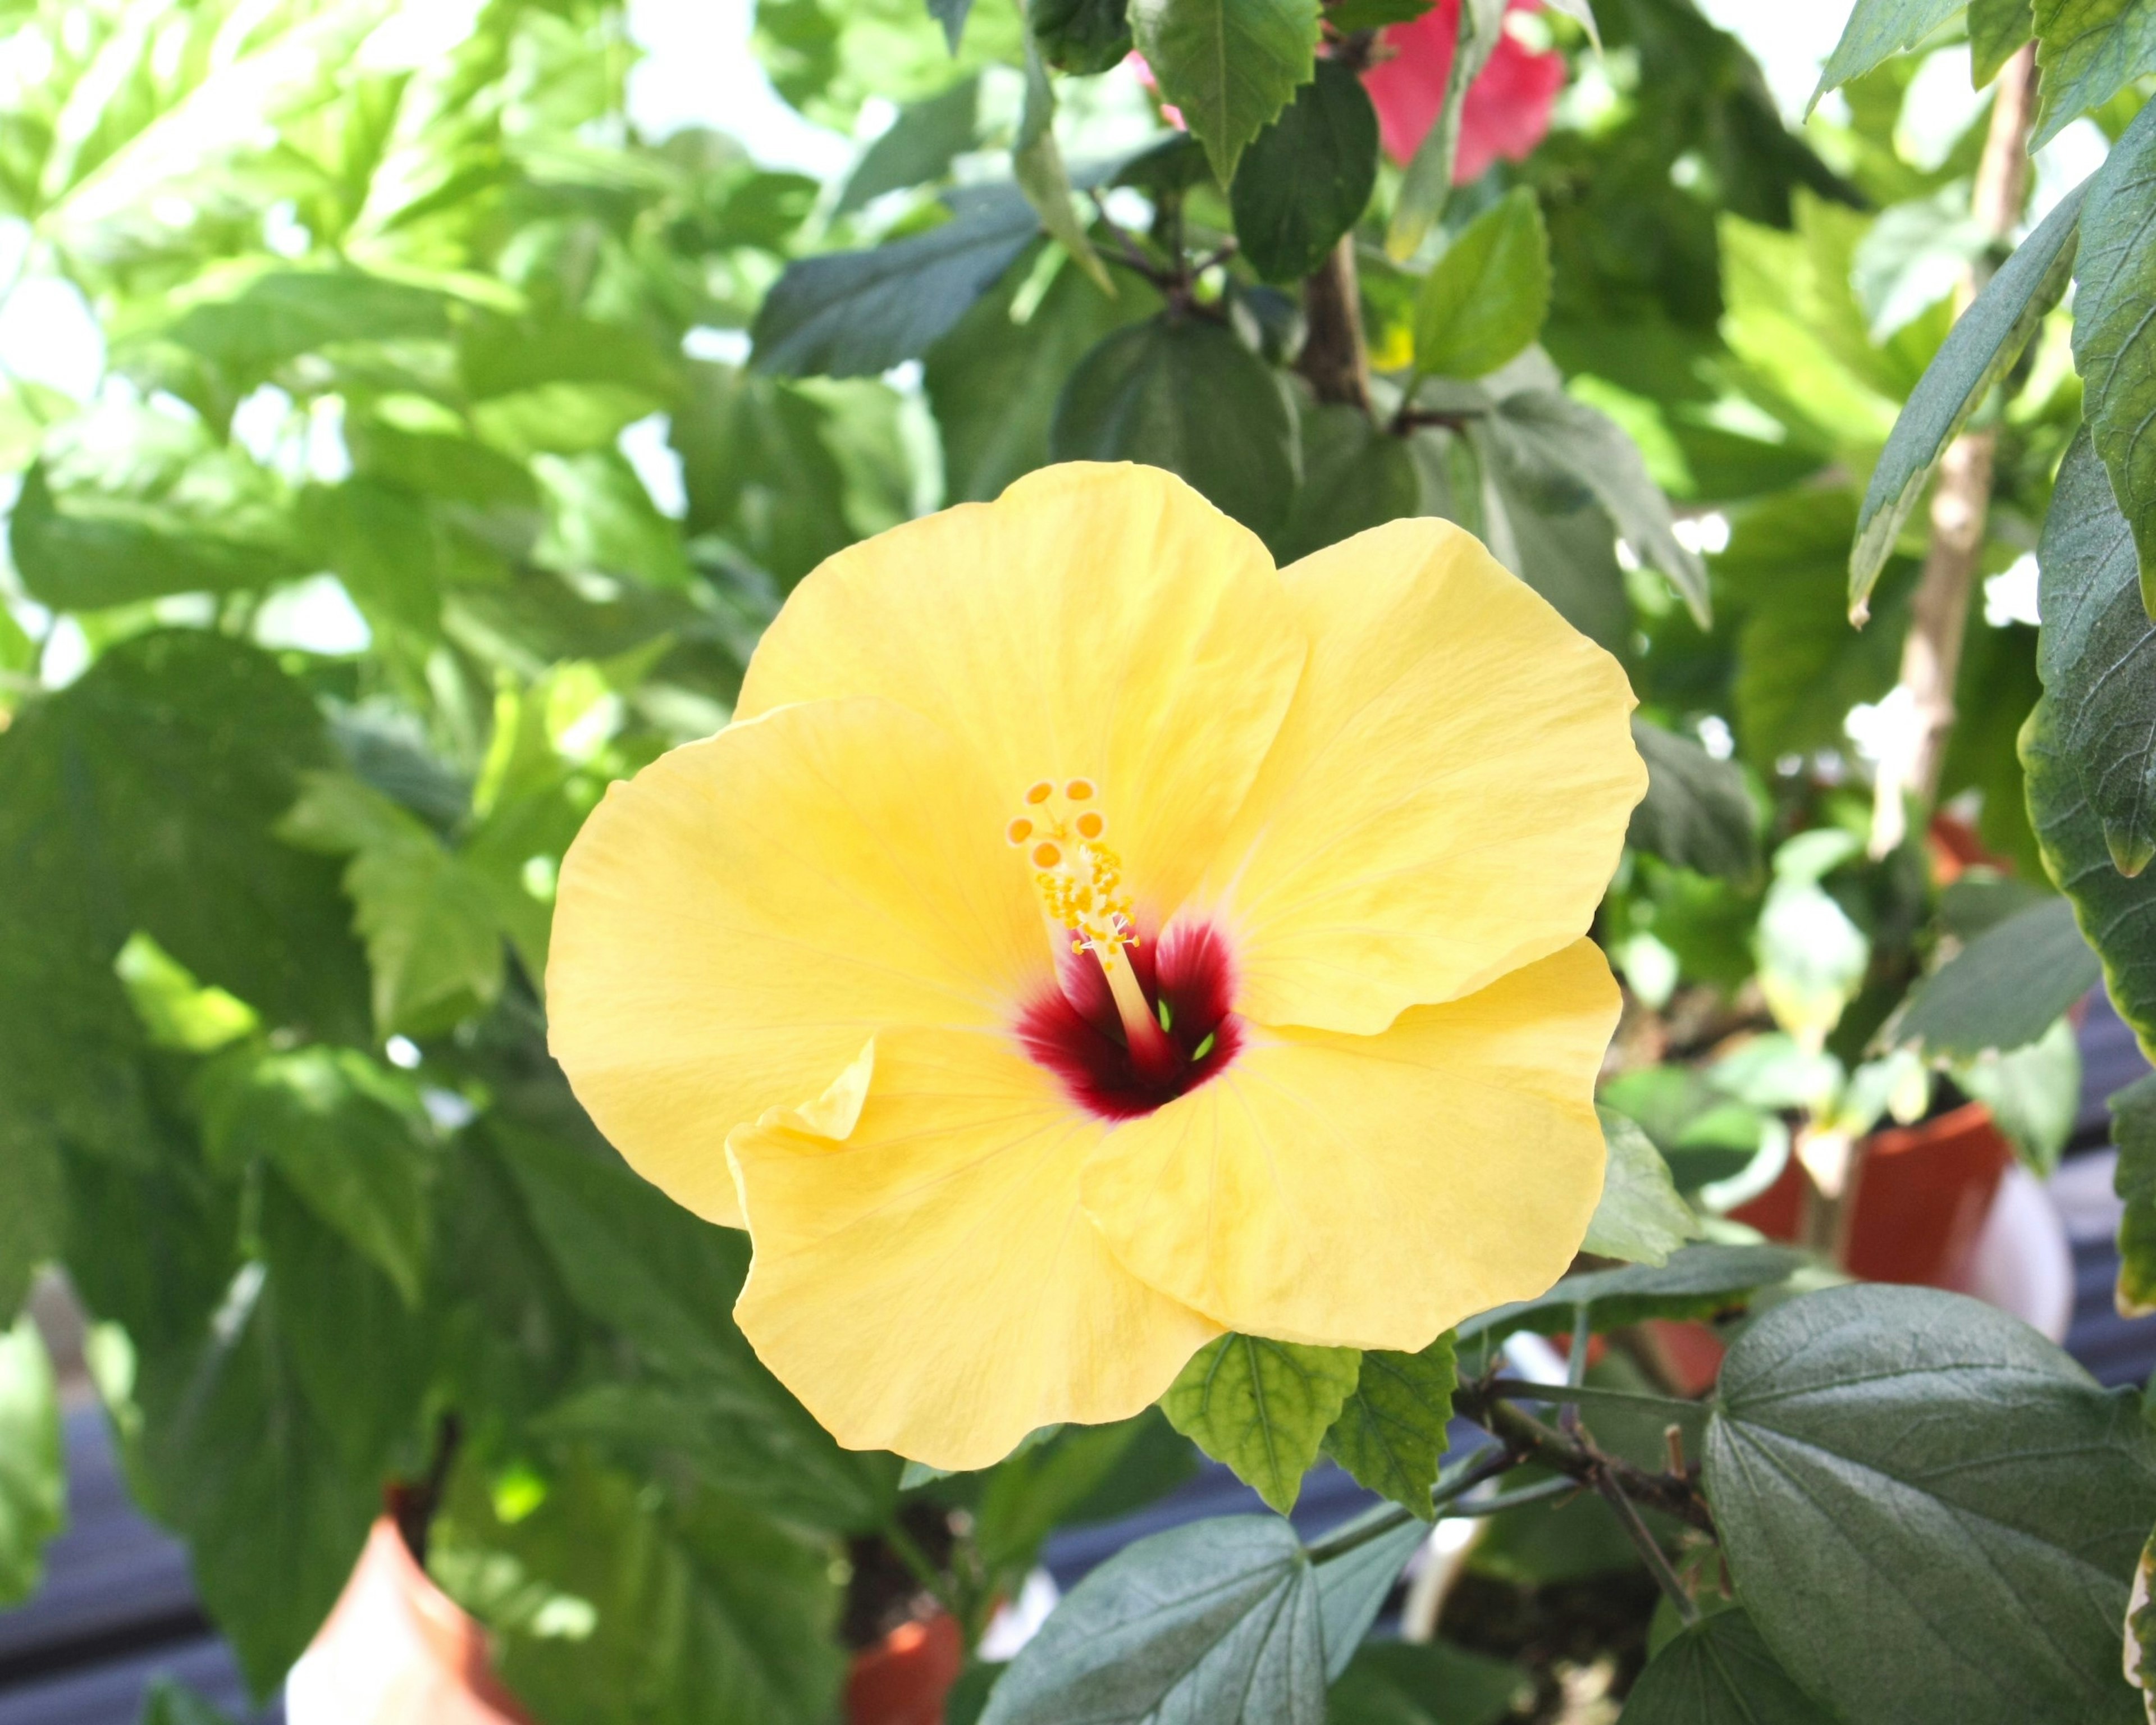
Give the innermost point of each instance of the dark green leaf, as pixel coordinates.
(1640, 1219)
(759, 470)
(1348, 15)
(2097, 653)
(920, 146)
(1262, 1407)
(2087, 51)
(1032, 1491)
(1305, 179)
(1981, 349)
(1353, 1587)
(33, 1467)
(1356, 474)
(1996, 27)
(1216, 1620)
(1229, 66)
(993, 381)
(2114, 350)
(1698, 1281)
(166, 1702)
(1719, 1673)
(1697, 813)
(2133, 1130)
(951, 14)
(2006, 988)
(1432, 1683)
(1486, 297)
(1390, 1431)
(855, 314)
(1869, 1467)
(30, 1223)
(1548, 432)
(1183, 393)
(2117, 916)
(1082, 36)
(1876, 31)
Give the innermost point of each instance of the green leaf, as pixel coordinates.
(1183, 393)
(2117, 915)
(1869, 1467)
(1982, 347)
(2034, 1093)
(757, 464)
(1996, 27)
(2006, 988)
(1698, 1281)
(1391, 1429)
(166, 1702)
(1229, 66)
(602, 521)
(130, 504)
(2096, 652)
(1486, 299)
(1082, 36)
(1353, 1587)
(1719, 1673)
(1356, 474)
(919, 146)
(2133, 1130)
(1876, 31)
(347, 1138)
(1641, 1218)
(2114, 350)
(1038, 1487)
(1262, 1407)
(1037, 166)
(33, 1464)
(1430, 1683)
(1547, 433)
(1216, 1620)
(857, 314)
(993, 381)
(620, 1606)
(2087, 51)
(1427, 186)
(951, 14)
(1697, 813)
(30, 1222)
(1307, 178)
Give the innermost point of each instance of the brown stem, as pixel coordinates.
(1333, 358)
(412, 1504)
(1961, 502)
(1528, 1439)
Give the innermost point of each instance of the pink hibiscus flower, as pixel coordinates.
(1508, 111)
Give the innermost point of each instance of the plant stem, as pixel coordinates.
(923, 1571)
(1561, 1452)
(1463, 1476)
(1649, 1548)
(1930, 655)
(1333, 359)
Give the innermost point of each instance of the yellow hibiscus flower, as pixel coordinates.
(1089, 937)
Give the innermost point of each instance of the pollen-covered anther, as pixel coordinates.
(1079, 877)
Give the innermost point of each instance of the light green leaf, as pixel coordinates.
(2087, 51)
(1183, 393)
(1868, 1464)
(1641, 1218)
(1391, 1430)
(2097, 655)
(1547, 431)
(1262, 1407)
(1427, 186)
(1719, 1673)
(33, 1467)
(601, 520)
(920, 146)
(1307, 178)
(1996, 27)
(1229, 66)
(2006, 988)
(1982, 347)
(1037, 166)
(2133, 1130)
(1486, 299)
(1697, 813)
(1216, 1620)
(2034, 1092)
(1432, 1683)
(2114, 349)
(1876, 31)
(1812, 957)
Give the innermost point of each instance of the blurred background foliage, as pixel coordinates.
(442, 441)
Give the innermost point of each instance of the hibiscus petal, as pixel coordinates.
(1100, 620)
(733, 924)
(1371, 1192)
(930, 1285)
(1447, 796)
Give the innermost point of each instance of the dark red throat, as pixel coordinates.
(1074, 1031)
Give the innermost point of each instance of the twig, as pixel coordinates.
(1333, 359)
(1649, 1548)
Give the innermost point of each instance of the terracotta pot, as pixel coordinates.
(396, 1650)
(904, 1678)
(1922, 1193)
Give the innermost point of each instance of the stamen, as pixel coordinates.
(1018, 831)
(1040, 792)
(1078, 790)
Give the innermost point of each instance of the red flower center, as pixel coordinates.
(1072, 1027)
